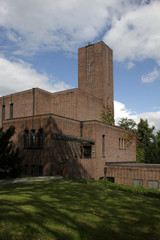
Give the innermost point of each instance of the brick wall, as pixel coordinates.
(22, 104)
(76, 104)
(112, 153)
(27, 103)
(62, 112)
(64, 103)
(72, 103)
(95, 72)
(42, 102)
(127, 174)
(54, 151)
(88, 107)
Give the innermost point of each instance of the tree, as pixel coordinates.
(148, 144)
(10, 159)
(157, 147)
(128, 124)
(140, 152)
(146, 136)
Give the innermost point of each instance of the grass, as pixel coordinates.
(74, 210)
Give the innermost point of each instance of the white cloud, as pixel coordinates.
(132, 27)
(152, 117)
(18, 76)
(122, 112)
(50, 24)
(130, 65)
(136, 34)
(150, 77)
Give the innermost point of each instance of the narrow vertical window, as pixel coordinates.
(103, 145)
(33, 138)
(33, 170)
(26, 138)
(122, 144)
(40, 138)
(40, 170)
(26, 169)
(119, 143)
(11, 110)
(3, 112)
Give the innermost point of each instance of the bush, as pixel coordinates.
(10, 159)
(137, 190)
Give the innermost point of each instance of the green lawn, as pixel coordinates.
(66, 209)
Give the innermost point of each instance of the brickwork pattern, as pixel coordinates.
(73, 112)
(126, 174)
(95, 72)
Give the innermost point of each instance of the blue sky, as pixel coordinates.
(39, 41)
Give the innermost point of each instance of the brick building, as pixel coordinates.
(60, 133)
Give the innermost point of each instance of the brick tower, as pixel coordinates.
(95, 72)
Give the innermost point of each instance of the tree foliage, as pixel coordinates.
(149, 150)
(128, 124)
(10, 159)
(146, 136)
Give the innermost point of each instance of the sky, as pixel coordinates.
(39, 43)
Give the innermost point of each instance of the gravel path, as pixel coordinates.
(30, 179)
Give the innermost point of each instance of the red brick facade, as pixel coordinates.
(147, 175)
(60, 133)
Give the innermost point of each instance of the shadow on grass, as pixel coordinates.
(69, 210)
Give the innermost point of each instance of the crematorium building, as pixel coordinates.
(62, 133)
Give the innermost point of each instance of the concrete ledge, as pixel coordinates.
(31, 179)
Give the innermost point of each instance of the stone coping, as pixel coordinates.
(147, 165)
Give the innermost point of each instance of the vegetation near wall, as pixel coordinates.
(10, 159)
(106, 115)
(149, 149)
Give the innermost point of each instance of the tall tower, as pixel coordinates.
(95, 72)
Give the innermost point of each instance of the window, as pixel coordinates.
(110, 179)
(40, 138)
(26, 138)
(105, 171)
(33, 138)
(103, 145)
(11, 110)
(33, 170)
(122, 144)
(3, 112)
(119, 143)
(26, 169)
(137, 182)
(39, 170)
(153, 184)
(86, 152)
